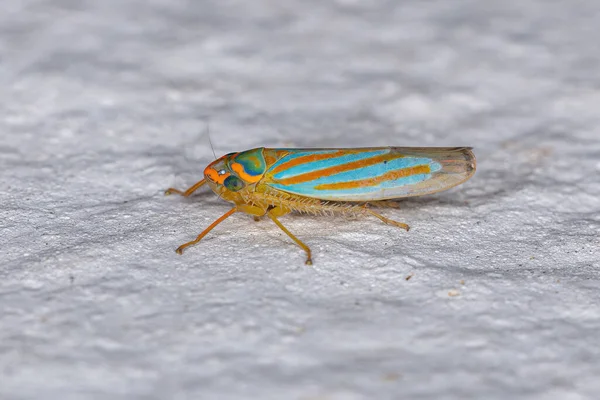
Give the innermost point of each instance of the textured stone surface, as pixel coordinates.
(103, 105)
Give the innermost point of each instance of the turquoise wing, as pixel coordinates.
(369, 174)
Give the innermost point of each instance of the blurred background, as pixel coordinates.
(104, 104)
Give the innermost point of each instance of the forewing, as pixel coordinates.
(369, 174)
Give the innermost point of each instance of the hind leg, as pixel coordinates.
(387, 220)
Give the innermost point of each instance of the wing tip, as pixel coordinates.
(471, 161)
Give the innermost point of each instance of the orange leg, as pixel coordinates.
(205, 232)
(187, 192)
(387, 220)
(384, 204)
(271, 214)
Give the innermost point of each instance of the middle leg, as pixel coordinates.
(273, 214)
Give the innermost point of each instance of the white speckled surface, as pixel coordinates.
(103, 105)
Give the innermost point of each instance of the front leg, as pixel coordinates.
(187, 192)
(205, 232)
(245, 208)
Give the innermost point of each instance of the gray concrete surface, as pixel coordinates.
(104, 104)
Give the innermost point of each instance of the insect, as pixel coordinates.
(274, 182)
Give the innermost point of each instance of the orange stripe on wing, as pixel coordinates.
(306, 159)
(388, 176)
(311, 176)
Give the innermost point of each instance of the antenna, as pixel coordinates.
(210, 141)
